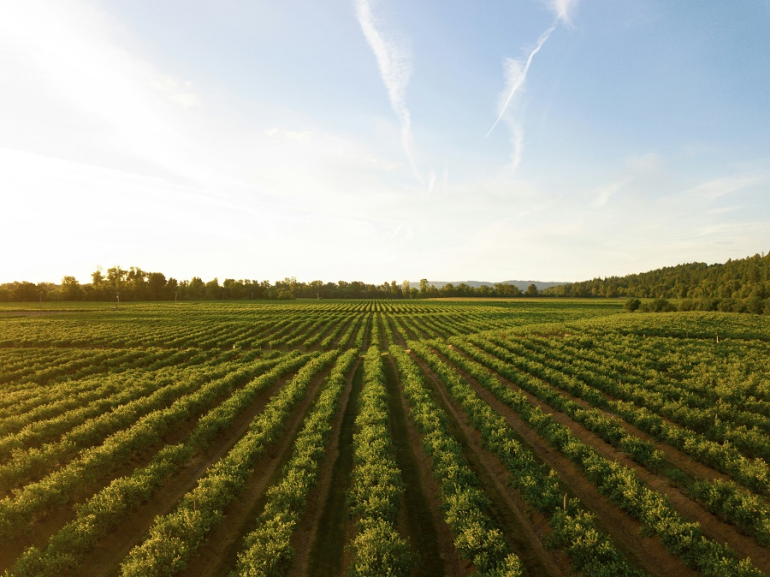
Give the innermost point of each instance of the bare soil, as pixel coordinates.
(307, 531)
(327, 556)
(647, 553)
(452, 564)
(417, 520)
(219, 555)
(691, 510)
(106, 557)
(526, 530)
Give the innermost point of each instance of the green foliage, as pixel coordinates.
(623, 487)
(266, 550)
(107, 508)
(742, 279)
(174, 538)
(476, 536)
(538, 486)
(632, 304)
(376, 484)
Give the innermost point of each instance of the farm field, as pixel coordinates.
(329, 438)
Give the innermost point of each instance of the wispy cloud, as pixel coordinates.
(719, 187)
(395, 63)
(562, 9)
(515, 72)
(516, 75)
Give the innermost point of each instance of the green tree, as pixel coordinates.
(632, 304)
(71, 289)
(532, 290)
(213, 290)
(196, 289)
(156, 284)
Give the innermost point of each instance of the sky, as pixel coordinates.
(379, 140)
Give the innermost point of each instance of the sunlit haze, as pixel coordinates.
(382, 140)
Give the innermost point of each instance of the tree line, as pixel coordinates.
(741, 285)
(135, 284)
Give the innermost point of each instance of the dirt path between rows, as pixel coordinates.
(336, 340)
(647, 553)
(384, 340)
(40, 531)
(218, 557)
(411, 325)
(326, 555)
(396, 334)
(451, 564)
(308, 528)
(686, 463)
(106, 557)
(690, 509)
(408, 334)
(417, 520)
(525, 530)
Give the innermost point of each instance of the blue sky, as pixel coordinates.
(381, 140)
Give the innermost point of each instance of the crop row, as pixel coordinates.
(32, 463)
(109, 507)
(36, 499)
(376, 484)
(74, 398)
(752, 473)
(476, 536)
(56, 399)
(699, 409)
(175, 537)
(622, 486)
(573, 529)
(740, 508)
(266, 550)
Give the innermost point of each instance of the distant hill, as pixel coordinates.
(522, 284)
(736, 279)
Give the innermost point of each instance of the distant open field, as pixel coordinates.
(329, 438)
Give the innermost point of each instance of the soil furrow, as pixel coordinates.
(326, 557)
(417, 521)
(219, 555)
(645, 552)
(308, 528)
(453, 565)
(525, 530)
(106, 557)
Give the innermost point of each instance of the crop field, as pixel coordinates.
(331, 438)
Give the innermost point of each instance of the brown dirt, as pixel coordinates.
(396, 334)
(38, 313)
(410, 334)
(647, 553)
(303, 538)
(690, 509)
(454, 566)
(384, 340)
(219, 555)
(41, 530)
(525, 529)
(106, 557)
(336, 341)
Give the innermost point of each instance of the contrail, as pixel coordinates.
(395, 65)
(517, 83)
(516, 76)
